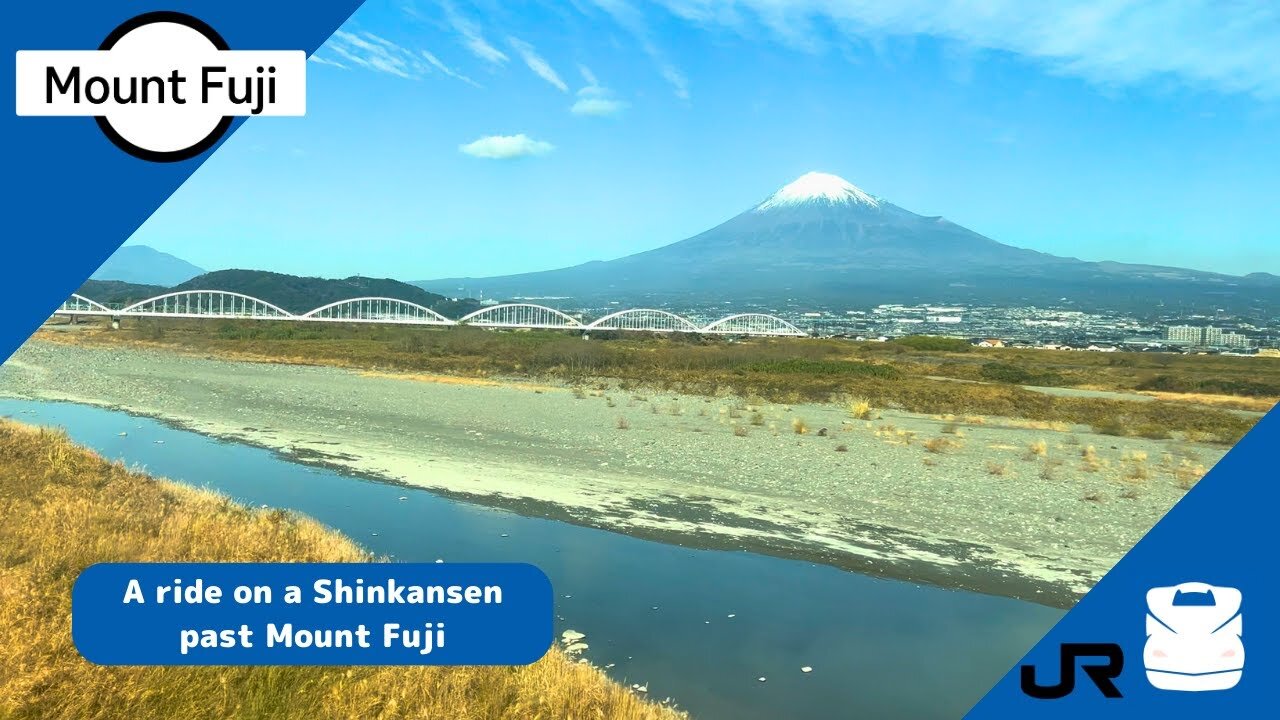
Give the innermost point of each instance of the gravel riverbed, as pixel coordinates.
(1003, 507)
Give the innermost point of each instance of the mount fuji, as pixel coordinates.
(821, 239)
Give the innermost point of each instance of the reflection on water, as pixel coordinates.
(661, 614)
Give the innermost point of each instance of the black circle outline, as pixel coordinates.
(149, 18)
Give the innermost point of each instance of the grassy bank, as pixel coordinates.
(64, 508)
(1192, 392)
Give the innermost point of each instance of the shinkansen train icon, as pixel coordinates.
(1193, 637)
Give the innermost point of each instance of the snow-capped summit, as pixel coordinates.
(818, 187)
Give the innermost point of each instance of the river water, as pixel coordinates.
(699, 626)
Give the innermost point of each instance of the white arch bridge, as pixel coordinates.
(237, 306)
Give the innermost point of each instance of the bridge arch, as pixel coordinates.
(207, 303)
(522, 315)
(644, 319)
(753, 324)
(376, 310)
(80, 305)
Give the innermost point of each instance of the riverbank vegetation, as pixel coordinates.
(1194, 395)
(65, 508)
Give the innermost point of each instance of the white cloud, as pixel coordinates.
(597, 106)
(506, 147)
(472, 39)
(537, 63)
(1223, 46)
(594, 99)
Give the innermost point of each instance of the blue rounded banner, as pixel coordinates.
(312, 614)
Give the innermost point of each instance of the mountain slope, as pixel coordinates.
(822, 239)
(142, 265)
(301, 294)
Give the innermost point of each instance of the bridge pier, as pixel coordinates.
(115, 322)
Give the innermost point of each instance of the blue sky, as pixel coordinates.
(482, 138)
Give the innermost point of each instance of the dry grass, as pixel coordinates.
(941, 445)
(1089, 460)
(1133, 466)
(623, 424)
(861, 409)
(779, 370)
(1230, 402)
(65, 508)
(997, 468)
(1135, 471)
(1039, 448)
(1188, 473)
(799, 427)
(740, 430)
(1021, 424)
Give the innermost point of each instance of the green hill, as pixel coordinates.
(301, 294)
(116, 293)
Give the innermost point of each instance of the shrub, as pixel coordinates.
(1005, 373)
(861, 409)
(933, 343)
(623, 424)
(798, 426)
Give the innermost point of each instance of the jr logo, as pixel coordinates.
(1101, 673)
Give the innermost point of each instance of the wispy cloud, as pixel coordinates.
(595, 99)
(375, 53)
(323, 61)
(537, 63)
(434, 62)
(471, 36)
(506, 147)
(1222, 46)
(633, 21)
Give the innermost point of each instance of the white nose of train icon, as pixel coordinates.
(1193, 637)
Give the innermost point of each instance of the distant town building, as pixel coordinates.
(1235, 340)
(990, 343)
(1209, 336)
(1187, 334)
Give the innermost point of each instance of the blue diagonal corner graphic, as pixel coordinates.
(70, 196)
(1222, 533)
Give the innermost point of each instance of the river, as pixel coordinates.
(699, 626)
